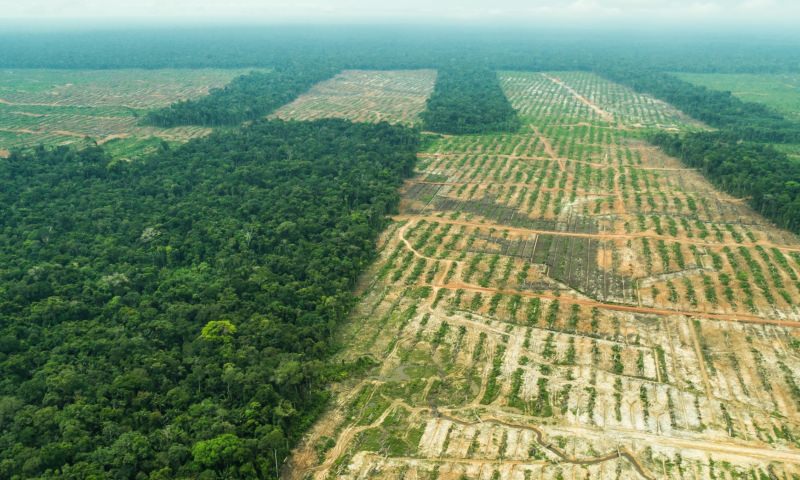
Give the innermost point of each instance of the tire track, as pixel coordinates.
(562, 455)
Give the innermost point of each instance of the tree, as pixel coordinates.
(219, 453)
(218, 330)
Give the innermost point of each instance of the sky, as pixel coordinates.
(533, 12)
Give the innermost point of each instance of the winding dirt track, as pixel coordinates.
(563, 456)
(342, 443)
(349, 433)
(402, 234)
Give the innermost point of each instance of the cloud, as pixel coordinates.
(586, 11)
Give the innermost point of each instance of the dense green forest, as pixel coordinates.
(247, 97)
(171, 318)
(469, 100)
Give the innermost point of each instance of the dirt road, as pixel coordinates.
(602, 113)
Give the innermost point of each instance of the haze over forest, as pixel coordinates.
(442, 240)
(708, 14)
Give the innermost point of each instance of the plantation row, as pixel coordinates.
(630, 106)
(95, 124)
(537, 206)
(38, 90)
(515, 167)
(772, 269)
(530, 307)
(534, 171)
(523, 184)
(674, 274)
(550, 99)
(542, 102)
(502, 446)
(62, 129)
(582, 142)
(542, 352)
(66, 107)
(742, 279)
(365, 96)
(738, 158)
(500, 144)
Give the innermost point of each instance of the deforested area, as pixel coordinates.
(411, 241)
(79, 106)
(569, 301)
(366, 96)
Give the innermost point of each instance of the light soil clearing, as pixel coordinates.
(568, 302)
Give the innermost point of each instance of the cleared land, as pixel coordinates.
(567, 302)
(365, 96)
(66, 106)
(778, 91)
